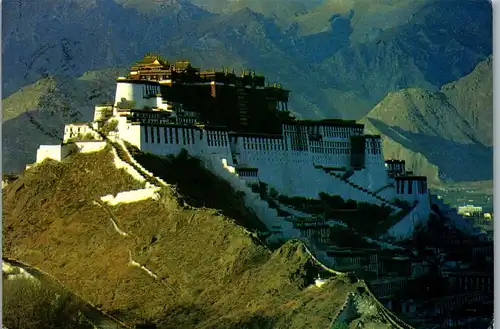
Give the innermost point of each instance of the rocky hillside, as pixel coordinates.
(445, 135)
(206, 271)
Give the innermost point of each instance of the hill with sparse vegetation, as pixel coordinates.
(210, 271)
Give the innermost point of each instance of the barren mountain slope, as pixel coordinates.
(211, 272)
(472, 96)
(342, 48)
(446, 135)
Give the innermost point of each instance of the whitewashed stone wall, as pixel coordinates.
(120, 164)
(458, 221)
(132, 196)
(135, 91)
(405, 228)
(170, 139)
(90, 146)
(138, 165)
(261, 209)
(55, 152)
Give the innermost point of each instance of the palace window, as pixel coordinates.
(146, 134)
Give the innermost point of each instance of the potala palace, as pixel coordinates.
(241, 126)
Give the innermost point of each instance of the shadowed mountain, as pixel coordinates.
(37, 113)
(452, 160)
(446, 134)
(342, 63)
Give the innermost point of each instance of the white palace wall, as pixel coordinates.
(143, 93)
(277, 166)
(290, 172)
(55, 152)
(129, 132)
(90, 146)
(132, 196)
(405, 228)
(171, 139)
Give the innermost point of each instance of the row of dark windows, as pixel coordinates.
(330, 144)
(265, 145)
(400, 186)
(338, 134)
(297, 141)
(330, 150)
(374, 151)
(245, 173)
(150, 90)
(215, 138)
(170, 135)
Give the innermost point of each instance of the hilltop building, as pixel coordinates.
(243, 125)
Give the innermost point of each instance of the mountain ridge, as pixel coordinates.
(445, 134)
(454, 52)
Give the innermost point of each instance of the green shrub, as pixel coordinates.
(109, 126)
(340, 325)
(88, 136)
(125, 104)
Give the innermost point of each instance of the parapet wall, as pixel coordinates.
(90, 146)
(405, 228)
(120, 164)
(132, 196)
(458, 221)
(54, 152)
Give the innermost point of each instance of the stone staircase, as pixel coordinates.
(347, 301)
(122, 154)
(344, 178)
(386, 313)
(377, 191)
(279, 226)
(456, 219)
(347, 175)
(148, 174)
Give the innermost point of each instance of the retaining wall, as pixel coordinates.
(132, 196)
(120, 164)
